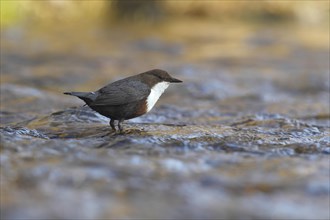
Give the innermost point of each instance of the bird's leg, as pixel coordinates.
(112, 124)
(119, 125)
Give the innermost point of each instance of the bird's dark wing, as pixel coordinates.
(121, 92)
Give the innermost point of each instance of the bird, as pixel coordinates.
(128, 98)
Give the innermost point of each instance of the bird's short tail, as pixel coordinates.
(78, 94)
(86, 96)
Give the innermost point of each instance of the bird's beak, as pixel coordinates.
(174, 80)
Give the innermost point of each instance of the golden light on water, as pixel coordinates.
(306, 12)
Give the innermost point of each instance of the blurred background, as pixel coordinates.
(244, 48)
(115, 35)
(245, 136)
(80, 45)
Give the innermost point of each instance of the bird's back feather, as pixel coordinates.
(121, 92)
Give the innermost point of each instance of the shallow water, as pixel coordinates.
(245, 136)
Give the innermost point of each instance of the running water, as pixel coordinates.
(246, 134)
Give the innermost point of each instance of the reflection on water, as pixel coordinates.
(248, 128)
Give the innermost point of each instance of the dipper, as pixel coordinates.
(128, 98)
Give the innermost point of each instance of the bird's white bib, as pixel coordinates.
(156, 91)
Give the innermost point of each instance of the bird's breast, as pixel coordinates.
(156, 91)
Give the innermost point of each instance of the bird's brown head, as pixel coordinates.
(157, 75)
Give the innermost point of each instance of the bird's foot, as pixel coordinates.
(121, 130)
(112, 124)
